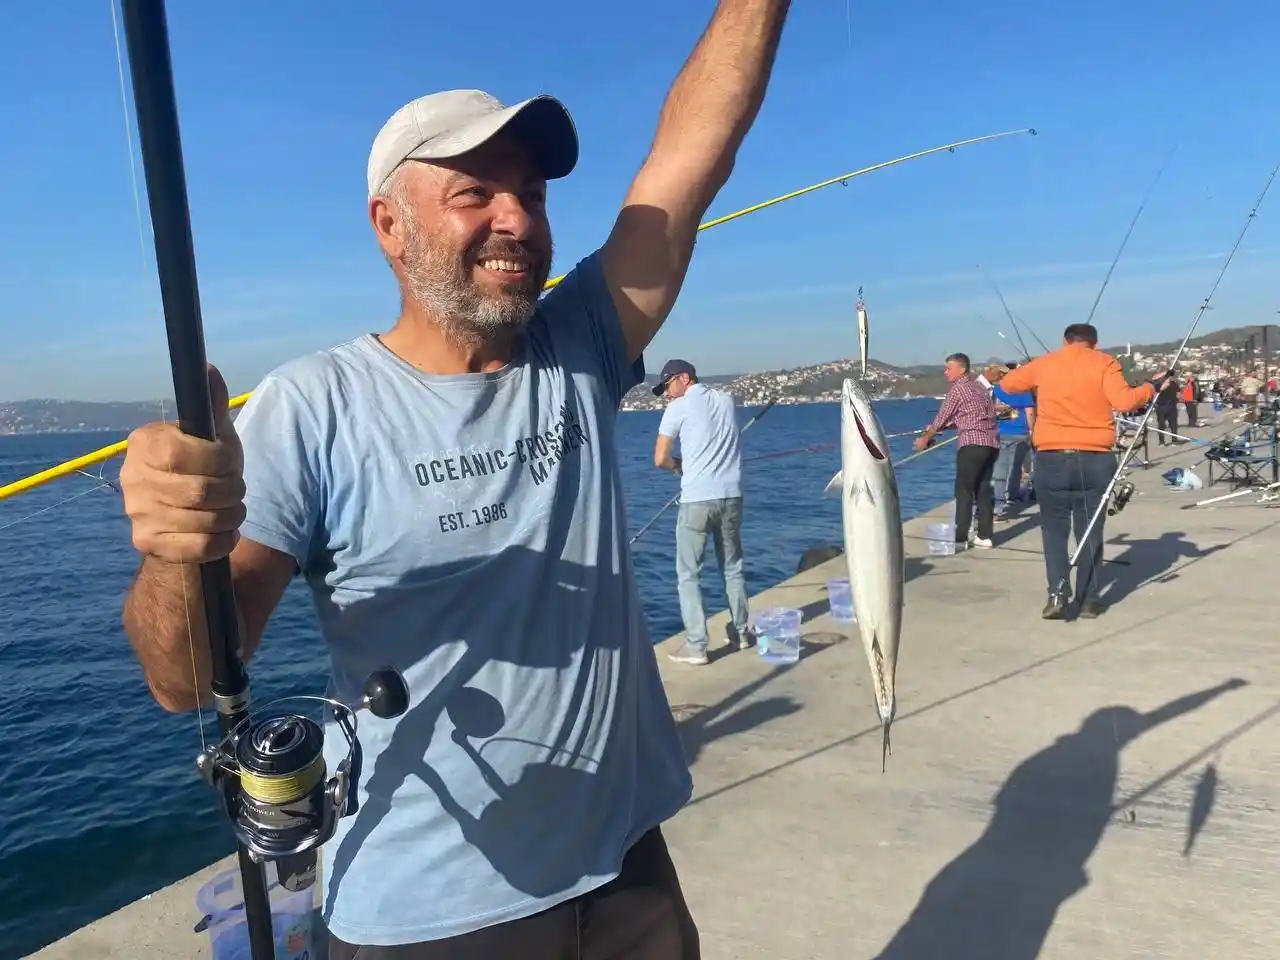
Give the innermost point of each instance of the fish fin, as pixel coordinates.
(836, 484)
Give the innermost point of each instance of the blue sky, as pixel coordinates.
(280, 101)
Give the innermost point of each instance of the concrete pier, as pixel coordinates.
(1098, 788)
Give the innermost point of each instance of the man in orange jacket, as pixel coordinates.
(1077, 389)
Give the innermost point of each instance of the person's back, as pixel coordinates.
(710, 445)
(704, 423)
(1077, 388)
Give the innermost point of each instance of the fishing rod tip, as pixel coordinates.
(1033, 131)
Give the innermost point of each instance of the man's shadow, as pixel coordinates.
(1148, 561)
(998, 899)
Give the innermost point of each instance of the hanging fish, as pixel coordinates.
(864, 331)
(873, 544)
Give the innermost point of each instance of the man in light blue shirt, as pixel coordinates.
(449, 490)
(710, 471)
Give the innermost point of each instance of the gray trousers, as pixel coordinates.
(722, 521)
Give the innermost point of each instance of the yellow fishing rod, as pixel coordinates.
(106, 453)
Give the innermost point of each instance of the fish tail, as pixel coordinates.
(886, 749)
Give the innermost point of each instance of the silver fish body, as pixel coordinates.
(873, 544)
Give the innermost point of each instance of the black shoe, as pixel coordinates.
(1092, 609)
(1055, 609)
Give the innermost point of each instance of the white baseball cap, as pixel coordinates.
(448, 124)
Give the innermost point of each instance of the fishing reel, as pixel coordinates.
(270, 772)
(1120, 497)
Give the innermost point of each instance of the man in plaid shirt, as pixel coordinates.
(969, 406)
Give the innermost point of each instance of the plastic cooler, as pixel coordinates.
(222, 902)
(778, 635)
(840, 599)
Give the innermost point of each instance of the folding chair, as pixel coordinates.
(1240, 467)
(1124, 436)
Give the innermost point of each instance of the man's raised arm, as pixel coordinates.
(706, 116)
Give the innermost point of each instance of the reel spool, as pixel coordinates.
(1120, 497)
(270, 771)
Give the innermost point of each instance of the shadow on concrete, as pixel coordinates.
(1149, 561)
(1131, 801)
(1129, 629)
(1201, 806)
(998, 899)
(701, 724)
(1012, 529)
(913, 567)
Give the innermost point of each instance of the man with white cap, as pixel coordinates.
(451, 494)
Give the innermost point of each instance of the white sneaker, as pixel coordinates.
(688, 653)
(981, 542)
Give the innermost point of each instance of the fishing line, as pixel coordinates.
(128, 137)
(1204, 307)
(54, 506)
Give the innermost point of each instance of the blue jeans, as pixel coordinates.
(1069, 486)
(1006, 478)
(722, 521)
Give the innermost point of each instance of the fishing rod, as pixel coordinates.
(1128, 451)
(1128, 233)
(268, 770)
(1026, 326)
(1025, 355)
(928, 449)
(1009, 313)
(666, 506)
(107, 452)
(1167, 433)
(1013, 320)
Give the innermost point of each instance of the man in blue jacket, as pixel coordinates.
(1015, 416)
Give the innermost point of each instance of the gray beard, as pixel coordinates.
(439, 283)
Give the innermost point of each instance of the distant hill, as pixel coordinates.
(77, 416)
(1226, 337)
(812, 381)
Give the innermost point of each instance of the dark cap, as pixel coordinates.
(672, 368)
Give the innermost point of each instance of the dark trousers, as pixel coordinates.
(639, 915)
(1069, 487)
(1192, 413)
(974, 465)
(1166, 419)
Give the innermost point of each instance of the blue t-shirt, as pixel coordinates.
(1020, 403)
(471, 531)
(705, 422)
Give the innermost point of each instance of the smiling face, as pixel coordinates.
(469, 239)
